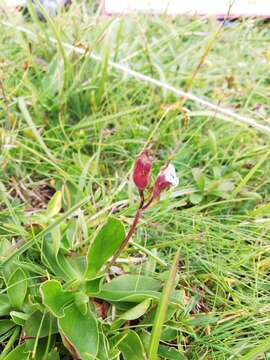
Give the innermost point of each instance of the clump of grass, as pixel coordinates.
(70, 130)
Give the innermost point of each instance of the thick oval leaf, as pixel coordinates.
(131, 347)
(137, 311)
(81, 332)
(4, 305)
(72, 266)
(92, 287)
(18, 317)
(17, 288)
(134, 313)
(133, 288)
(107, 241)
(32, 325)
(128, 283)
(54, 297)
(170, 353)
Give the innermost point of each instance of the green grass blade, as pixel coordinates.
(257, 350)
(250, 174)
(32, 241)
(161, 311)
(33, 127)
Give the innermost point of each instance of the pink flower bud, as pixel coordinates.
(142, 170)
(165, 179)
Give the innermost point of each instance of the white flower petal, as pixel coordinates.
(170, 175)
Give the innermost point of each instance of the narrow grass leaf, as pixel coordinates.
(258, 350)
(161, 311)
(250, 174)
(33, 127)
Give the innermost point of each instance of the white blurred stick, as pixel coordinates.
(161, 84)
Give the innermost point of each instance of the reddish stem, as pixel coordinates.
(132, 229)
(129, 235)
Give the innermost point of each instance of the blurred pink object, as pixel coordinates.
(166, 178)
(142, 170)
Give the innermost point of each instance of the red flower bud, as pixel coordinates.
(165, 179)
(142, 170)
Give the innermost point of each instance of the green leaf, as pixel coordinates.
(54, 297)
(49, 257)
(19, 318)
(134, 288)
(107, 241)
(54, 205)
(131, 347)
(32, 325)
(5, 326)
(4, 305)
(137, 311)
(56, 239)
(195, 198)
(73, 266)
(128, 283)
(92, 287)
(18, 353)
(81, 301)
(162, 310)
(80, 332)
(8, 259)
(199, 178)
(133, 313)
(17, 288)
(170, 353)
(53, 355)
(103, 348)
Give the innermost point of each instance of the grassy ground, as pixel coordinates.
(73, 125)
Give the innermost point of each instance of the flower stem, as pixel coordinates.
(129, 235)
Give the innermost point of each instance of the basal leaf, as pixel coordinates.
(80, 332)
(4, 305)
(54, 297)
(18, 317)
(134, 313)
(130, 288)
(131, 347)
(107, 241)
(32, 325)
(17, 288)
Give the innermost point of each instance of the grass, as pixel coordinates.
(71, 124)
